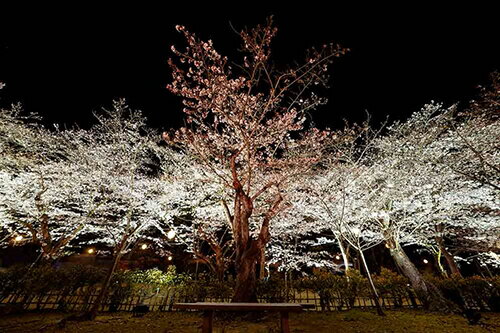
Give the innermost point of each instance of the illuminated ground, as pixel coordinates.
(344, 322)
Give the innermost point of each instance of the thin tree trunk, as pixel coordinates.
(452, 264)
(357, 264)
(104, 289)
(380, 311)
(262, 264)
(344, 254)
(440, 265)
(92, 313)
(220, 267)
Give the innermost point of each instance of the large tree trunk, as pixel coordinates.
(247, 248)
(245, 280)
(429, 295)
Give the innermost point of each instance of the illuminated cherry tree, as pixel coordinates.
(24, 143)
(112, 186)
(247, 127)
(47, 207)
(475, 136)
(461, 202)
(421, 194)
(340, 198)
(40, 202)
(135, 176)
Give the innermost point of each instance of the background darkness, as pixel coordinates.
(64, 63)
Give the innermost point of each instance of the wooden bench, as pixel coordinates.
(209, 308)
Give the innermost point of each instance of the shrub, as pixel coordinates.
(331, 287)
(473, 291)
(11, 280)
(206, 286)
(389, 284)
(271, 290)
(119, 290)
(157, 277)
(494, 290)
(78, 276)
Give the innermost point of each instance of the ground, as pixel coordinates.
(172, 322)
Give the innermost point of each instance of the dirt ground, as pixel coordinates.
(172, 322)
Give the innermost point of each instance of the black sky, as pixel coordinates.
(65, 63)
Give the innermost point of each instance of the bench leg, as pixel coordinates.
(285, 327)
(208, 317)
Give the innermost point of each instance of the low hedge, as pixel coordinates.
(333, 290)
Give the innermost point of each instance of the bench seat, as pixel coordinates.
(208, 309)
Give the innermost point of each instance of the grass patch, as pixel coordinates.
(406, 321)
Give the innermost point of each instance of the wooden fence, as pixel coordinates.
(162, 300)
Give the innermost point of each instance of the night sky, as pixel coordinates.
(65, 63)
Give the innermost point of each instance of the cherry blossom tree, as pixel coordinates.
(460, 217)
(477, 129)
(136, 178)
(46, 207)
(25, 143)
(456, 154)
(398, 181)
(39, 199)
(420, 192)
(112, 185)
(340, 197)
(247, 127)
